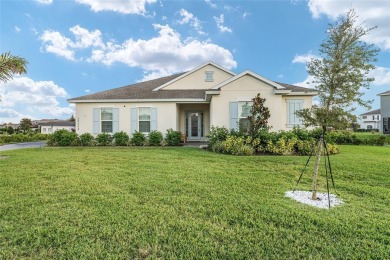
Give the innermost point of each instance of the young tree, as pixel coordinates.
(340, 75)
(260, 114)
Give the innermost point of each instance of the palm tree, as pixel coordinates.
(10, 65)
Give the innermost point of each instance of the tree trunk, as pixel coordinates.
(316, 168)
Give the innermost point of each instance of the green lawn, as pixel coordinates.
(187, 203)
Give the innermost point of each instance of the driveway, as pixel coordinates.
(7, 147)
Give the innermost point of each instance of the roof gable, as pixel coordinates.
(189, 73)
(248, 72)
(373, 112)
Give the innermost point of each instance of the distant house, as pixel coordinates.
(190, 102)
(370, 120)
(51, 126)
(385, 112)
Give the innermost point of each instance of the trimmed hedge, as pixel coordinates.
(18, 138)
(154, 138)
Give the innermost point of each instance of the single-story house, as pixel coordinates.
(190, 102)
(370, 120)
(385, 112)
(52, 126)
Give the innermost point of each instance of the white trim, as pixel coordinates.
(313, 93)
(192, 71)
(248, 72)
(139, 100)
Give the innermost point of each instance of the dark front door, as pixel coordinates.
(194, 125)
(386, 125)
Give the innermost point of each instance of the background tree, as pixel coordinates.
(25, 124)
(72, 119)
(340, 76)
(10, 65)
(260, 114)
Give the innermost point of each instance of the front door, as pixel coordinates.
(194, 125)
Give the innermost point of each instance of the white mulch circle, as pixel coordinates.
(321, 202)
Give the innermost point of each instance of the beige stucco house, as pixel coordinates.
(190, 102)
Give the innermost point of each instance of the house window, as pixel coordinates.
(44, 129)
(209, 76)
(244, 110)
(369, 127)
(106, 118)
(364, 117)
(144, 119)
(294, 105)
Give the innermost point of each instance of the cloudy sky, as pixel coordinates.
(77, 47)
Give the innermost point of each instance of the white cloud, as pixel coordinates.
(381, 75)
(304, 58)
(47, 2)
(60, 45)
(121, 6)
(211, 4)
(161, 55)
(17, 29)
(25, 97)
(220, 24)
(374, 14)
(164, 54)
(189, 18)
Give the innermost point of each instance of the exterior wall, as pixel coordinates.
(385, 111)
(166, 115)
(196, 80)
(52, 129)
(246, 88)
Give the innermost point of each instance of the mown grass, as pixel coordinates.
(108, 202)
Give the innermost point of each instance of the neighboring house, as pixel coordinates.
(52, 126)
(14, 126)
(191, 103)
(385, 112)
(370, 120)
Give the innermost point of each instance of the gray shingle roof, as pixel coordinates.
(58, 123)
(295, 88)
(144, 90)
(385, 93)
(373, 112)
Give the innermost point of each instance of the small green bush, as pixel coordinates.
(63, 137)
(216, 134)
(173, 137)
(138, 139)
(155, 138)
(86, 139)
(104, 139)
(235, 145)
(121, 138)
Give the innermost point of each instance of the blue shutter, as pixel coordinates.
(233, 115)
(294, 105)
(96, 120)
(153, 119)
(115, 120)
(297, 108)
(133, 120)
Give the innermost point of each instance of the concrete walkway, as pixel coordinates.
(7, 147)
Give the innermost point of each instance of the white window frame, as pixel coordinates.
(106, 120)
(139, 109)
(209, 76)
(240, 112)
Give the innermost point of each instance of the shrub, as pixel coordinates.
(216, 134)
(63, 137)
(86, 139)
(104, 139)
(173, 137)
(138, 139)
(379, 140)
(233, 145)
(121, 138)
(305, 147)
(155, 138)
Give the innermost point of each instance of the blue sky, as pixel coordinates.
(84, 46)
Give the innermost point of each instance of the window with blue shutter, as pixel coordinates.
(233, 115)
(133, 120)
(96, 120)
(294, 105)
